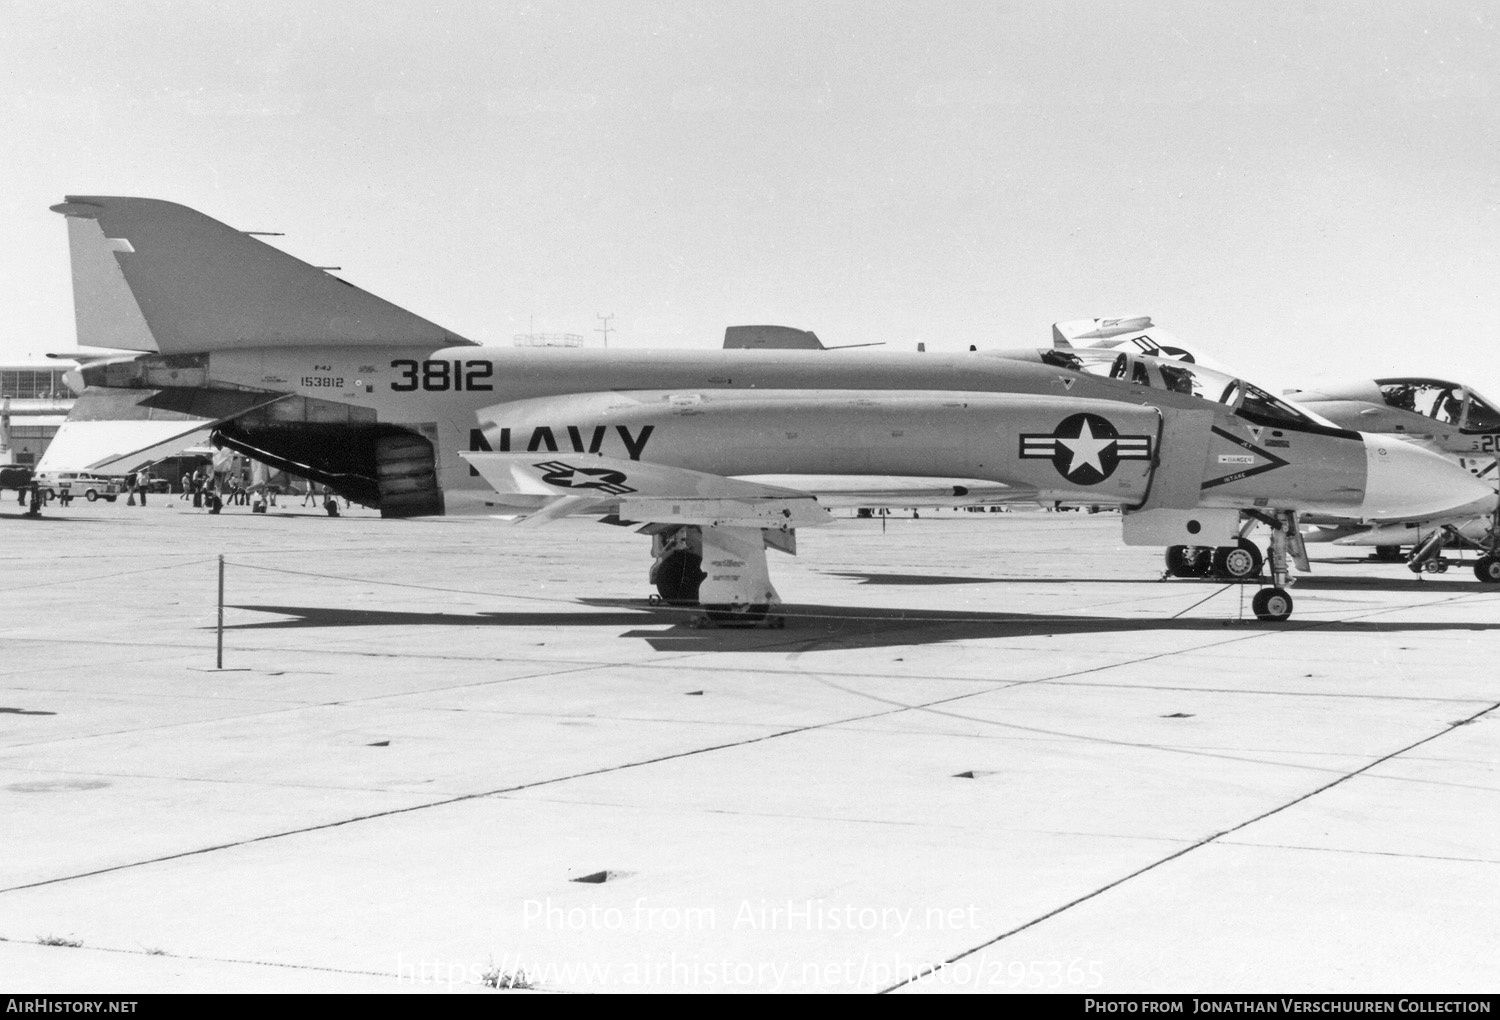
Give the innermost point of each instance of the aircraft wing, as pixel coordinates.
(644, 492)
(116, 432)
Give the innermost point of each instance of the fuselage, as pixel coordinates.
(985, 416)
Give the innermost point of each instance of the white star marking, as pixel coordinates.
(1086, 449)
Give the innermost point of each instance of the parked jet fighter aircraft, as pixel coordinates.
(1444, 416)
(718, 454)
(1440, 416)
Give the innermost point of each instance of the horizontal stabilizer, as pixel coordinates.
(150, 275)
(118, 431)
(118, 448)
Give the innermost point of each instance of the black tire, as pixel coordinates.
(1272, 604)
(91, 495)
(109, 499)
(1487, 569)
(1389, 553)
(1189, 560)
(49, 494)
(1238, 562)
(678, 578)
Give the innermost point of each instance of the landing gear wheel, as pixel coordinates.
(1238, 562)
(1272, 604)
(1488, 569)
(1437, 565)
(1388, 553)
(678, 578)
(1188, 560)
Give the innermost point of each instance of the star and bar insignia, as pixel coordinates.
(1085, 448)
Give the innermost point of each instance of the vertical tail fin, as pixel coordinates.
(150, 275)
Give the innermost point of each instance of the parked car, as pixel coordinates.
(90, 487)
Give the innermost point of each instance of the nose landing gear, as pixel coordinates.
(1274, 604)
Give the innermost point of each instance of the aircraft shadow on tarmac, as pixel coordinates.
(1402, 581)
(676, 629)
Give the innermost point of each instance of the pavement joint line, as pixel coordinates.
(1258, 691)
(889, 822)
(1363, 853)
(258, 783)
(210, 959)
(1215, 837)
(1107, 741)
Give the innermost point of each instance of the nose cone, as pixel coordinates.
(1403, 480)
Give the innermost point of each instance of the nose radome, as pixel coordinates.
(1403, 480)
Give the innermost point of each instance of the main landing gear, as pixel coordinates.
(1428, 558)
(1238, 562)
(1243, 562)
(723, 570)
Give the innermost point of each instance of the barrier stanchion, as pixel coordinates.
(219, 664)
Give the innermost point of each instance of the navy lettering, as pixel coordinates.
(542, 434)
(632, 444)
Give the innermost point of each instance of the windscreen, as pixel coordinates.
(1182, 377)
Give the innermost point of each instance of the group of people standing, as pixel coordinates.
(203, 487)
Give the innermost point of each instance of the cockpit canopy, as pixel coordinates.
(1179, 377)
(1447, 402)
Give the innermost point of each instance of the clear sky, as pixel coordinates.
(1310, 189)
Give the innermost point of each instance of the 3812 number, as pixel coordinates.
(440, 376)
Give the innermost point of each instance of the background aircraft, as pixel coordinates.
(1444, 417)
(1439, 415)
(718, 454)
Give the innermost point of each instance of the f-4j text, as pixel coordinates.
(441, 376)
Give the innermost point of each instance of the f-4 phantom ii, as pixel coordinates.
(1441, 416)
(717, 455)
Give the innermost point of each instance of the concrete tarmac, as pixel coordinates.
(988, 752)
